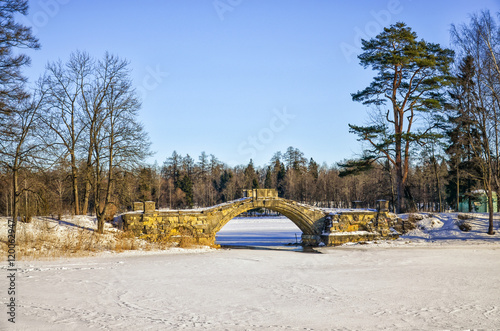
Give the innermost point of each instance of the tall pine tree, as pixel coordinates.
(410, 76)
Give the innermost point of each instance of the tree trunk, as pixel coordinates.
(399, 181)
(7, 203)
(85, 207)
(391, 181)
(470, 204)
(496, 174)
(74, 178)
(458, 189)
(490, 212)
(27, 216)
(100, 217)
(438, 184)
(498, 198)
(100, 223)
(15, 197)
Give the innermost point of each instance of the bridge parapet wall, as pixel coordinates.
(260, 193)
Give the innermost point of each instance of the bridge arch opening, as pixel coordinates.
(302, 216)
(259, 230)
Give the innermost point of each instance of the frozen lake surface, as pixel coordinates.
(259, 231)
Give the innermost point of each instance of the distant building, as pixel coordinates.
(479, 203)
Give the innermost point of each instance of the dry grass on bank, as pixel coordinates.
(46, 238)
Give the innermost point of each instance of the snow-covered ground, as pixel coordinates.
(434, 278)
(442, 229)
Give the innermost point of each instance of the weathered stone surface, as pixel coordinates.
(260, 193)
(382, 205)
(149, 206)
(354, 226)
(138, 206)
(316, 225)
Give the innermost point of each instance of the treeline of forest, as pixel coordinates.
(185, 182)
(72, 143)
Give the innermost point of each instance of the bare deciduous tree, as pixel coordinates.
(118, 140)
(17, 113)
(18, 147)
(67, 85)
(480, 41)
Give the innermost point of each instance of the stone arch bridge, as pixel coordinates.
(317, 225)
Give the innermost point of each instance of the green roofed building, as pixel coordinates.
(479, 202)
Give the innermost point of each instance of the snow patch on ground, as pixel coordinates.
(431, 223)
(351, 233)
(347, 210)
(443, 226)
(441, 229)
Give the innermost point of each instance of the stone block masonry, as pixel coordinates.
(202, 224)
(138, 206)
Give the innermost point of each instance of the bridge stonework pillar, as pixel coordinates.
(382, 205)
(149, 206)
(138, 206)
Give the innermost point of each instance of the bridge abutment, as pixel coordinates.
(311, 240)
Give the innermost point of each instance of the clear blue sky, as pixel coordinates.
(241, 79)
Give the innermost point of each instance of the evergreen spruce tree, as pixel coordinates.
(313, 168)
(279, 169)
(251, 176)
(172, 168)
(222, 184)
(268, 182)
(13, 36)
(186, 185)
(462, 135)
